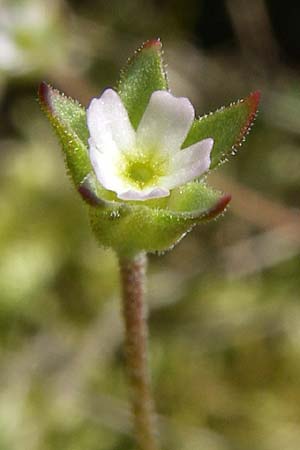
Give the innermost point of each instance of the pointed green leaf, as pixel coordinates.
(196, 200)
(143, 75)
(68, 118)
(227, 126)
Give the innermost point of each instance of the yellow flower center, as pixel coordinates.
(143, 169)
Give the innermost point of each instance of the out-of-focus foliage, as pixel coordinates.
(224, 305)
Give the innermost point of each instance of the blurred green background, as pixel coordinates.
(224, 304)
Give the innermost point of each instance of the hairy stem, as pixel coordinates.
(134, 311)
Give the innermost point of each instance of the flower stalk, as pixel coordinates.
(132, 272)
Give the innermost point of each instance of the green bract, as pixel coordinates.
(155, 224)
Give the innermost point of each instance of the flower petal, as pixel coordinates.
(188, 164)
(143, 74)
(108, 123)
(165, 123)
(105, 169)
(146, 194)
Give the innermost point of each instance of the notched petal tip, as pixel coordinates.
(108, 123)
(166, 121)
(142, 196)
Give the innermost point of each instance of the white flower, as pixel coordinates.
(148, 162)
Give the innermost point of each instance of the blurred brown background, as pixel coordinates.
(224, 304)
